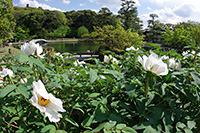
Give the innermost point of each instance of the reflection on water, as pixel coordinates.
(80, 46)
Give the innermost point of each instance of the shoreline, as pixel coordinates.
(54, 40)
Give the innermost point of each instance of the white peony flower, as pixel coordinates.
(106, 59)
(6, 72)
(32, 48)
(109, 58)
(45, 102)
(173, 64)
(154, 64)
(28, 49)
(132, 48)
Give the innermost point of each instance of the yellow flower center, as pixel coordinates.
(43, 102)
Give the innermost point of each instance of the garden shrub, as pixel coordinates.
(112, 96)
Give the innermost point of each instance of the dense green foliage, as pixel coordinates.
(102, 97)
(129, 16)
(6, 20)
(37, 22)
(117, 38)
(178, 38)
(154, 29)
(61, 32)
(82, 31)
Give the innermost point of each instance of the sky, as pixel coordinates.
(168, 11)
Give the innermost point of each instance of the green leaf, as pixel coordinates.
(54, 84)
(187, 130)
(128, 130)
(191, 124)
(22, 57)
(14, 119)
(7, 90)
(99, 128)
(130, 90)
(93, 95)
(48, 128)
(93, 75)
(116, 74)
(10, 109)
(180, 125)
(196, 77)
(65, 77)
(163, 88)
(120, 126)
(141, 105)
(24, 91)
(149, 129)
(70, 120)
(141, 125)
(110, 124)
(115, 117)
(60, 131)
(88, 121)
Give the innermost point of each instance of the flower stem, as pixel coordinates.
(146, 84)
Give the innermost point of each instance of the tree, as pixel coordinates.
(60, 32)
(85, 18)
(104, 17)
(82, 31)
(117, 38)
(54, 19)
(155, 29)
(20, 34)
(6, 19)
(129, 16)
(178, 38)
(195, 34)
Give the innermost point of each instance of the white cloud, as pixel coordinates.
(34, 3)
(115, 4)
(66, 2)
(82, 4)
(174, 11)
(149, 8)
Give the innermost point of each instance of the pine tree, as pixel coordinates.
(129, 15)
(155, 30)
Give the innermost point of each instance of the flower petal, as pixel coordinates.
(53, 116)
(55, 104)
(40, 89)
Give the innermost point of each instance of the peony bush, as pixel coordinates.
(135, 92)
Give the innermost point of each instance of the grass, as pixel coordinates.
(5, 51)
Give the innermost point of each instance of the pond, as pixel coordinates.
(74, 46)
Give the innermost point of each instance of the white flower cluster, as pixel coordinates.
(108, 59)
(5, 72)
(32, 48)
(132, 49)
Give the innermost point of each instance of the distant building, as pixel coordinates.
(27, 5)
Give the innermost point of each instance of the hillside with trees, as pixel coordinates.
(23, 23)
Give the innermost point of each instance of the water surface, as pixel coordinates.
(76, 46)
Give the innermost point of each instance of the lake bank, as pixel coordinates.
(54, 40)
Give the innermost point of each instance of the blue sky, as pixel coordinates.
(169, 11)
